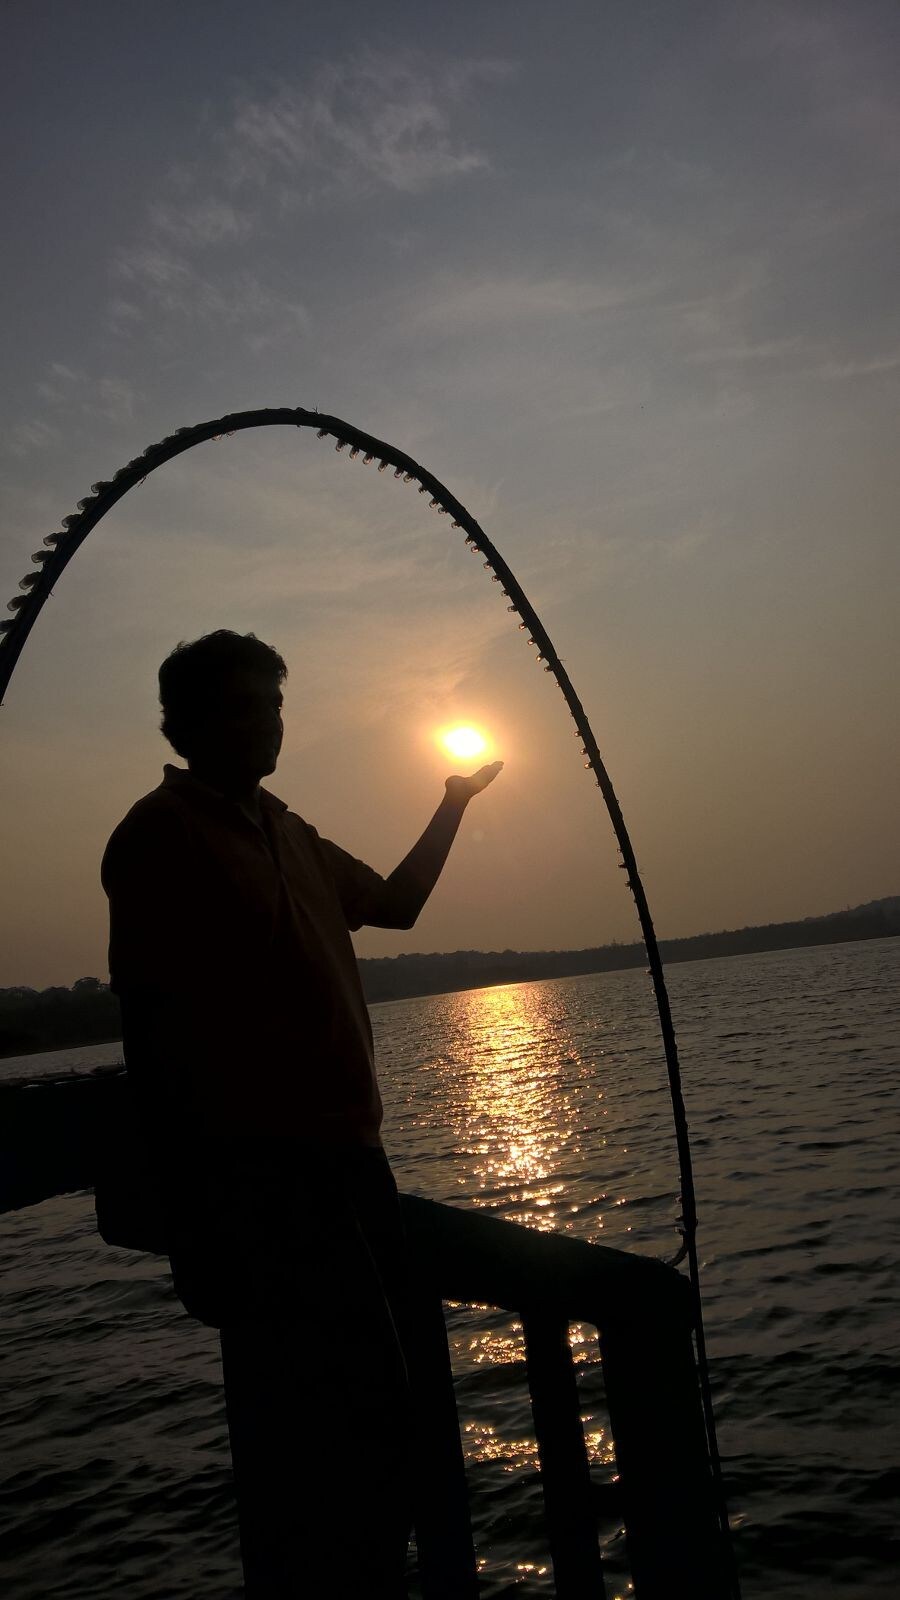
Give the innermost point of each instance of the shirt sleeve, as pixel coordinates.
(146, 873)
(359, 887)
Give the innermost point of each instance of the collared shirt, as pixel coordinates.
(242, 1007)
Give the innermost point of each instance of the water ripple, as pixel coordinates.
(545, 1103)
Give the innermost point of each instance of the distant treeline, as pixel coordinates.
(401, 977)
(88, 1013)
(58, 1019)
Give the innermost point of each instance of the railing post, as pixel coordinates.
(671, 1528)
(446, 1553)
(56, 1136)
(565, 1475)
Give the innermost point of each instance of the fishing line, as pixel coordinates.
(58, 550)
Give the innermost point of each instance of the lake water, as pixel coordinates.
(547, 1103)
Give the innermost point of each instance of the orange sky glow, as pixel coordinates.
(634, 305)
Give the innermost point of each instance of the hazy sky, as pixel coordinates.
(623, 275)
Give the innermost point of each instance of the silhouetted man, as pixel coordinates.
(248, 1044)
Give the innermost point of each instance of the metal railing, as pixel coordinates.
(62, 1135)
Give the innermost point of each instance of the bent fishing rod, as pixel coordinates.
(59, 548)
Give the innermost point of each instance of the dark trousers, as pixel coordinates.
(316, 1390)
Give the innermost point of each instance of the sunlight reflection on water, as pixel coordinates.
(545, 1103)
(509, 1107)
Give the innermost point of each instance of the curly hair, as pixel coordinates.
(192, 675)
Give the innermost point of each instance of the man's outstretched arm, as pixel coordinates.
(410, 884)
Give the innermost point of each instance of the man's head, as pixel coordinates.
(221, 701)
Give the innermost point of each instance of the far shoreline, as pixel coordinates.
(634, 966)
(34, 1022)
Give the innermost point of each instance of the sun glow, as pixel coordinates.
(463, 742)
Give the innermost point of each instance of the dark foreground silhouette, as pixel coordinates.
(248, 1043)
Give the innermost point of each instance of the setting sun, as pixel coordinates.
(463, 742)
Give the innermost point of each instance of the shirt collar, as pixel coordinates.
(179, 778)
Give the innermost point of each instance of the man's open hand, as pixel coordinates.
(462, 789)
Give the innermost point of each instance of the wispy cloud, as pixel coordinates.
(198, 222)
(859, 369)
(766, 350)
(158, 271)
(163, 283)
(56, 387)
(375, 121)
(32, 435)
(453, 304)
(371, 123)
(115, 398)
(108, 396)
(836, 66)
(65, 389)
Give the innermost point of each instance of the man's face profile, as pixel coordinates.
(242, 729)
